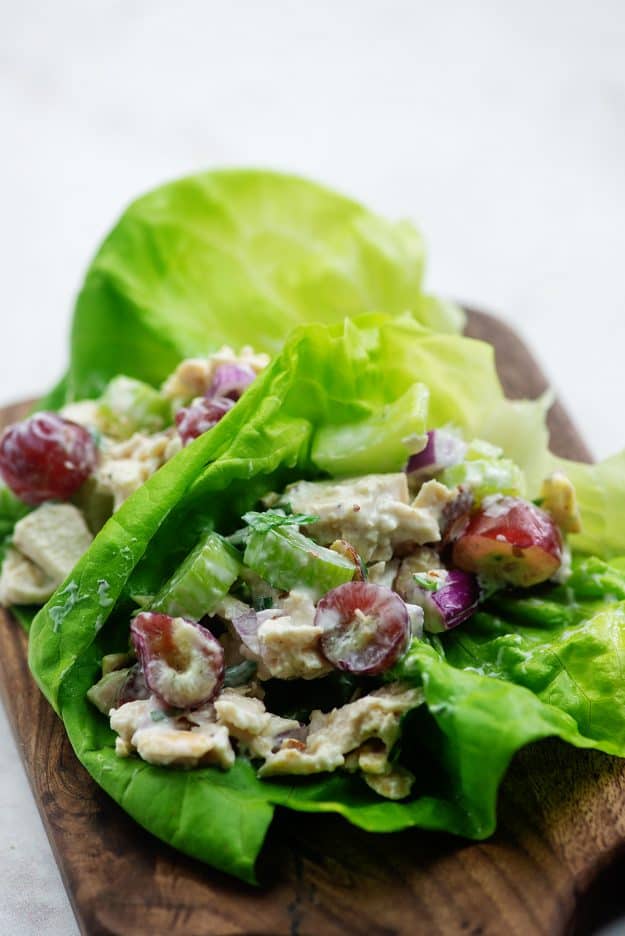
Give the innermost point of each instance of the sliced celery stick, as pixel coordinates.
(128, 405)
(287, 559)
(383, 442)
(479, 448)
(105, 692)
(485, 476)
(202, 580)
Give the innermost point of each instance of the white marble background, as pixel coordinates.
(499, 127)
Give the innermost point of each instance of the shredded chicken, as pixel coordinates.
(247, 720)
(373, 513)
(23, 582)
(331, 736)
(289, 641)
(165, 741)
(126, 465)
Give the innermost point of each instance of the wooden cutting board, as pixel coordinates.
(562, 819)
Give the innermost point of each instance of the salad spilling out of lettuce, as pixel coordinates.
(287, 648)
(353, 580)
(74, 468)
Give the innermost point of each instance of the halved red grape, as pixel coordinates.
(365, 628)
(182, 662)
(510, 540)
(192, 421)
(46, 457)
(230, 381)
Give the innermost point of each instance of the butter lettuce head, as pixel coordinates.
(521, 670)
(237, 257)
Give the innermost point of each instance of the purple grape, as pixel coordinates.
(192, 421)
(230, 381)
(183, 664)
(365, 628)
(447, 597)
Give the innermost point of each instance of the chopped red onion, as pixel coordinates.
(230, 381)
(246, 625)
(447, 597)
(442, 450)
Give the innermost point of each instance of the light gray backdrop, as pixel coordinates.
(498, 127)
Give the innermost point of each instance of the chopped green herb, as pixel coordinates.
(272, 519)
(428, 581)
(239, 674)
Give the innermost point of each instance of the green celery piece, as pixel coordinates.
(287, 559)
(593, 579)
(104, 693)
(128, 405)
(390, 436)
(202, 580)
(479, 448)
(486, 476)
(12, 509)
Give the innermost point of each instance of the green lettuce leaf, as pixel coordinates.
(12, 509)
(601, 493)
(489, 688)
(565, 644)
(237, 257)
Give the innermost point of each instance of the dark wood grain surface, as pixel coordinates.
(562, 819)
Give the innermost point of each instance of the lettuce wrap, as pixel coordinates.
(236, 257)
(231, 257)
(523, 668)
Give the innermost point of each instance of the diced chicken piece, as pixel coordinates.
(289, 644)
(395, 784)
(370, 757)
(335, 734)
(209, 744)
(431, 501)
(291, 651)
(126, 465)
(83, 412)
(165, 741)
(23, 582)
(373, 513)
(560, 500)
(54, 537)
(247, 720)
(383, 573)
(422, 560)
(193, 377)
(131, 717)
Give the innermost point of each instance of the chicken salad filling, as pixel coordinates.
(279, 642)
(76, 467)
